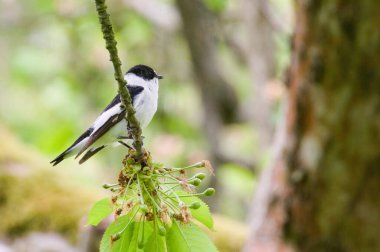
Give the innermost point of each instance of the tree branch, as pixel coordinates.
(126, 100)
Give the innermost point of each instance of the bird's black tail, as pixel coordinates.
(90, 153)
(61, 157)
(58, 159)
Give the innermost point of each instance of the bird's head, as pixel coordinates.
(142, 75)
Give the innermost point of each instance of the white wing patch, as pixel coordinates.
(105, 116)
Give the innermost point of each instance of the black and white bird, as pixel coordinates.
(111, 125)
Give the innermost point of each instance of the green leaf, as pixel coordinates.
(155, 242)
(99, 211)
(132, 245)
(115, 227)
(188, 238)
(137, 236)
(202, 214)
(126, 238)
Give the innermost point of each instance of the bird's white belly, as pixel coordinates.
(145, 109)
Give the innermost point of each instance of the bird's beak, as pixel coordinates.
(159, 76)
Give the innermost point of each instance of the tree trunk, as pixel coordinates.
(219, 99)
(198, 28)
(261, 63)
(322, 193)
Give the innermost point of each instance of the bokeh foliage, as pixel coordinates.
(55, 78)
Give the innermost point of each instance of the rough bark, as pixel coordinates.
(322, 193)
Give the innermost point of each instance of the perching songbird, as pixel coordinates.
(111, 125)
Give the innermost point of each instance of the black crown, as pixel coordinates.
(143, 71)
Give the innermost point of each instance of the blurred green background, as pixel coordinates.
(55, 78)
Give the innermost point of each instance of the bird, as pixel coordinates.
(110, 128)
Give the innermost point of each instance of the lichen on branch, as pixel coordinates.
(126, 100)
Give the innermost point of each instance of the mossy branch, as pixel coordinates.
(126, 100)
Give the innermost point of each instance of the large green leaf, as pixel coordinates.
(137, 235)
(188, 238)
(202, 214)
(115, 227)
(125, 240)
(155, 243)
(99, 211)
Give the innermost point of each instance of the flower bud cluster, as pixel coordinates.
(152, 192)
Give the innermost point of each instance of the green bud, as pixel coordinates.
(113, 189)
(144, 208)
(108, 186)
(161, 231)
(136, 167)
(146, 168)
(145, 177)
(200, 175)
(198, 165)
(195, 205)
(140, 244)
(130, 161)
(115, 237)
(166, 220)
(195, 182)
(201, 164)
(209, 192)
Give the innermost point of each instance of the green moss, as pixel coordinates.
(40, 201)
(35, 196)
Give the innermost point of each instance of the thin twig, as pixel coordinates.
(109, 37)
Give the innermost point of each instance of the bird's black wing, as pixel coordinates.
(102, 130)
(115, 101)
(133, 91)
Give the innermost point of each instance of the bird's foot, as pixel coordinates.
(126, 145)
